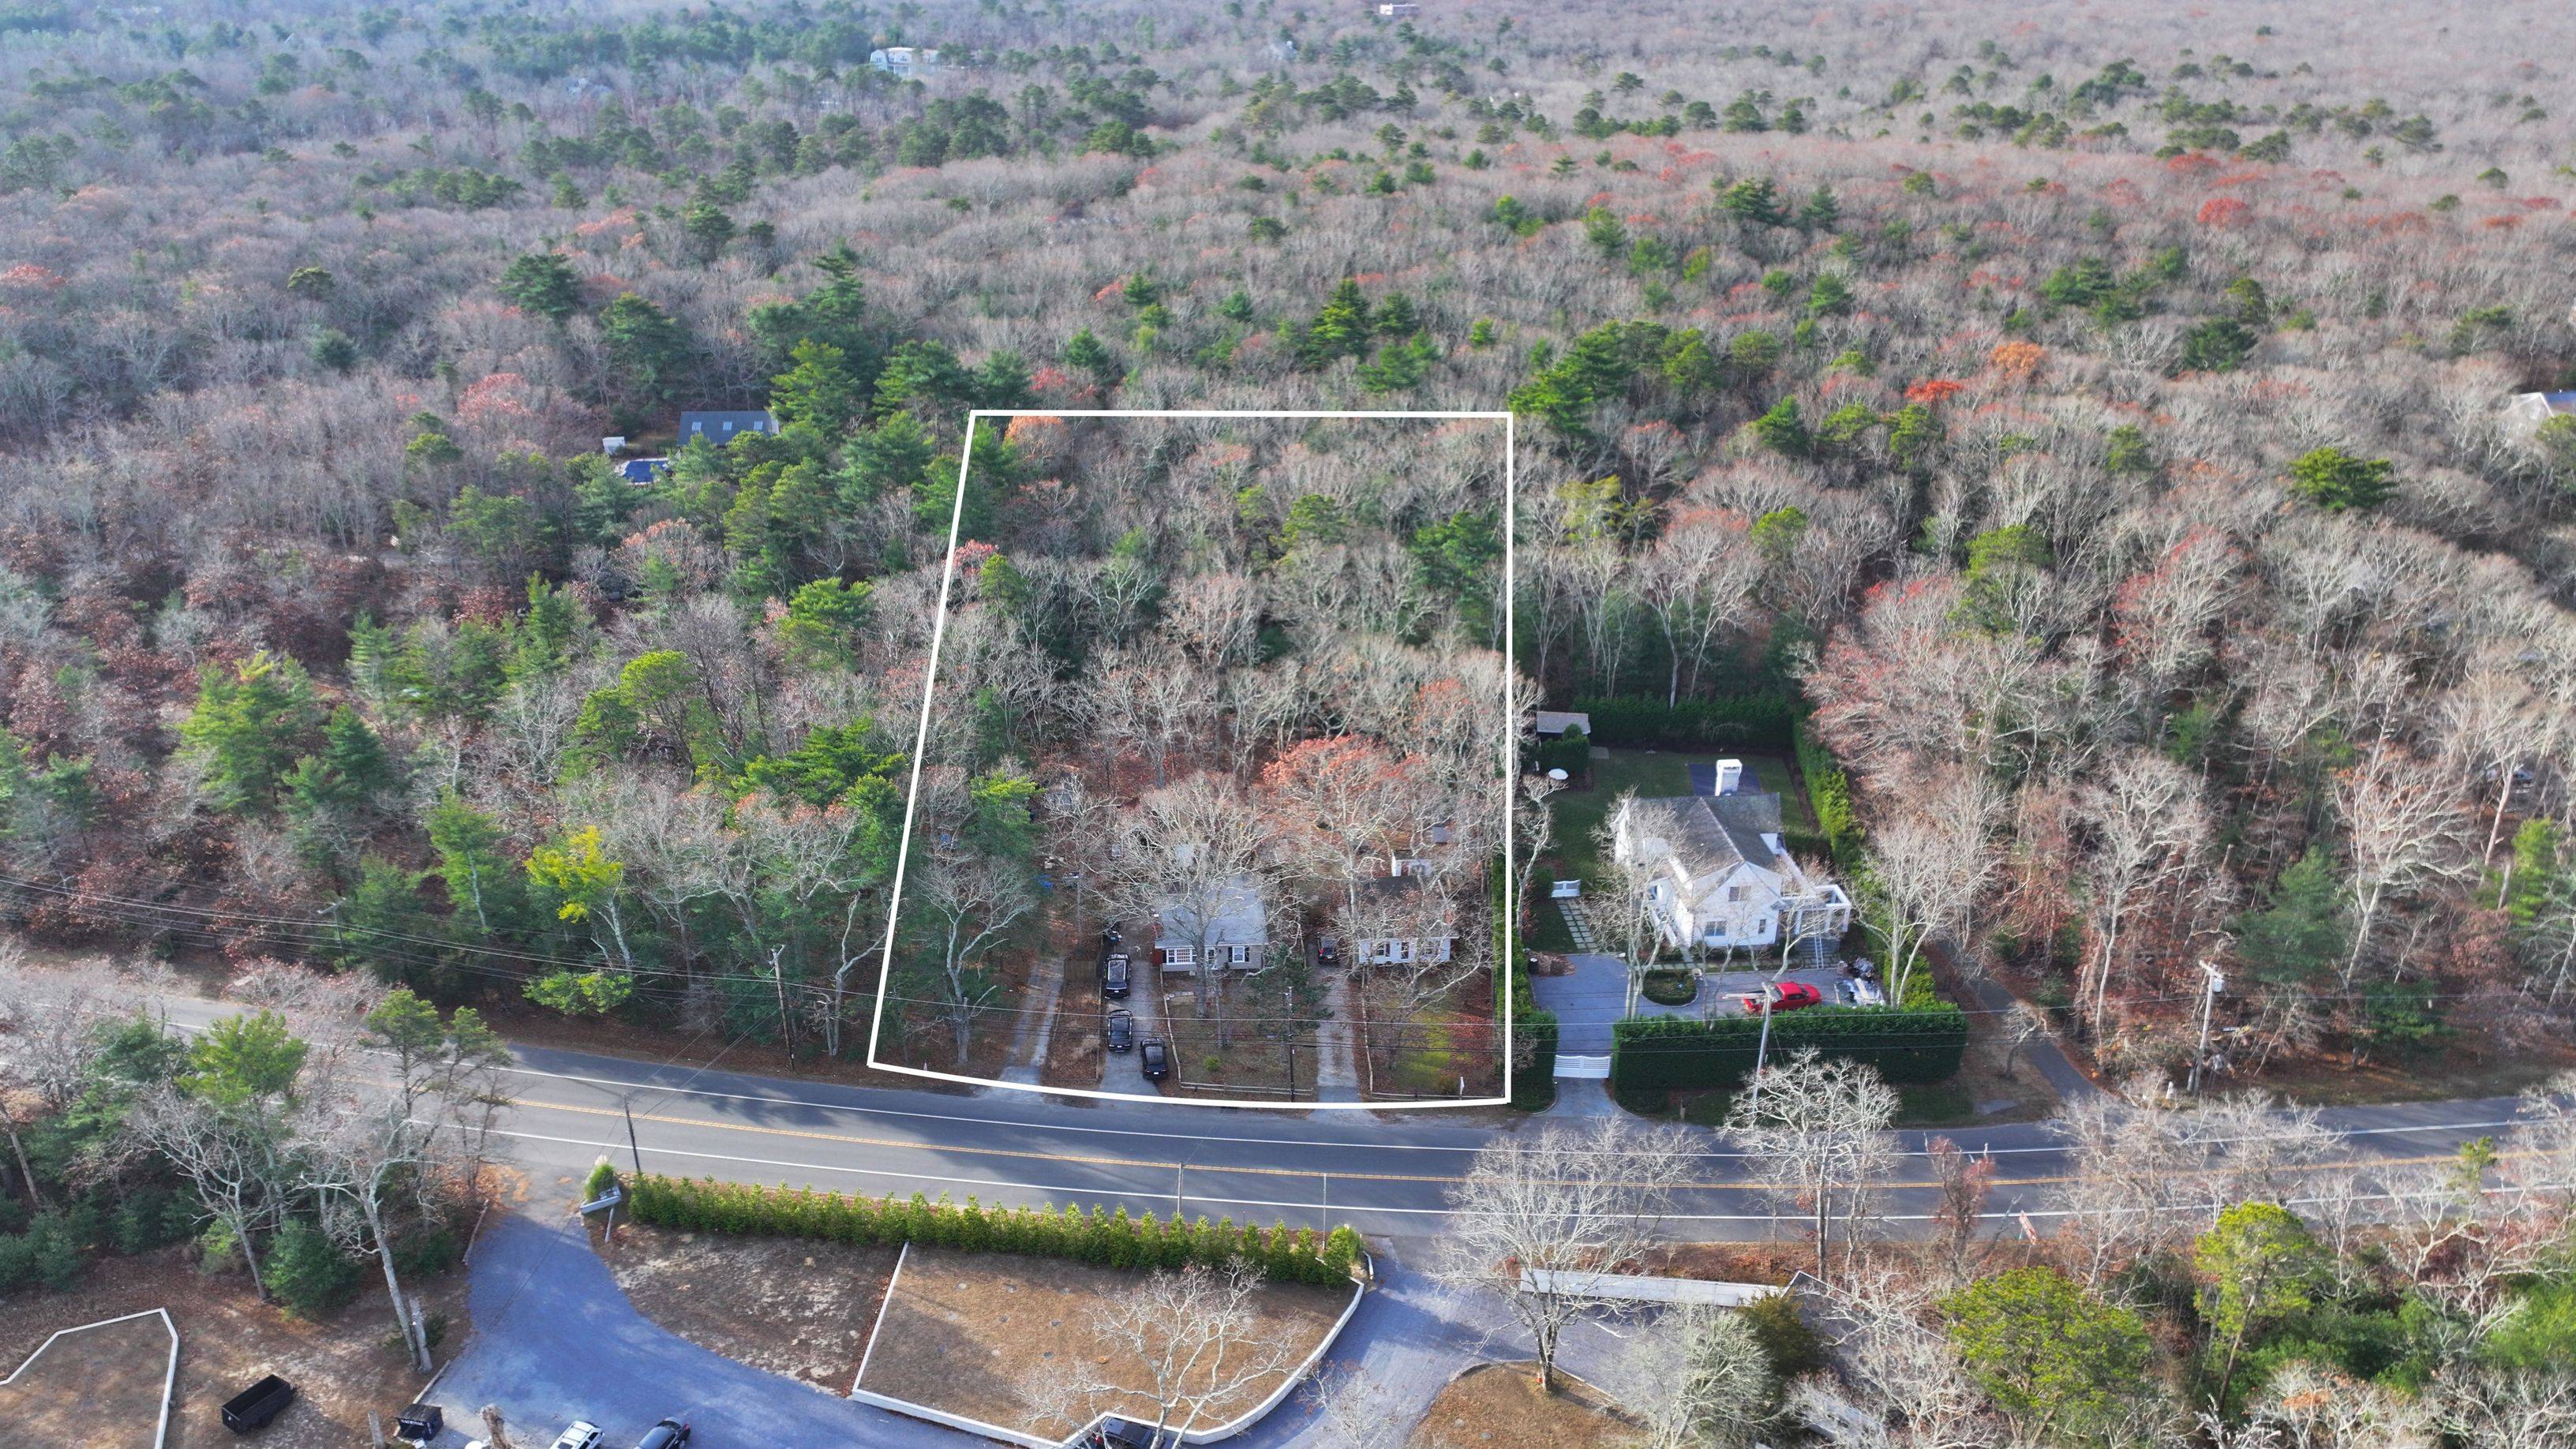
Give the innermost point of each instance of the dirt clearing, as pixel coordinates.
(342, 1366)
(789, 1305)
(97, 1387)
(1498, 1406)
(976, 1335)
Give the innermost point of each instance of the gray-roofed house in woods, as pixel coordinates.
(721, 428)
(1723, 878)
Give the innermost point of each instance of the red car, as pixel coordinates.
(1793, 994)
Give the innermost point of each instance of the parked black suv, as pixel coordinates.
(1155, 1059)
(1115, 975)
(1122, 1032)
(669, 1434)
(1123, 1434)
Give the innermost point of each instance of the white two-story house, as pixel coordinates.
(1721, 878)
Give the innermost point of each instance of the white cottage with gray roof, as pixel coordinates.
(1229, 926)
(1721, 877)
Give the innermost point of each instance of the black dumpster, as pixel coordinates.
(421, 1422)
(253, 1407)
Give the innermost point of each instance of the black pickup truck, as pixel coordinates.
(253, 1407)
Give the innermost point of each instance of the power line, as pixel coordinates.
(408, 949)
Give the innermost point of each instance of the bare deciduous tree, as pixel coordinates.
(1816, 1131)
(1191, 1345)
(1709, 1381)
(2149, 824)
(1538, 1212)
(2404, 830)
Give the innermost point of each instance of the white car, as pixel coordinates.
(582, 1435)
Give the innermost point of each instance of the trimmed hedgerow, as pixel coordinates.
(1829, 790)
(1108, 1239)
(1746, 721)
(1677, 1051)
(1534, 1080)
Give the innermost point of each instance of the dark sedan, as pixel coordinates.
(1122, 1032)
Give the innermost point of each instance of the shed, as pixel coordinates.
(1552, 724)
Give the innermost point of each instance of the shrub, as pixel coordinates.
(1787, 1341)
(1829, 791)
(17, 1261)
(308, 1272)
(427, 1253)
(602, 1178)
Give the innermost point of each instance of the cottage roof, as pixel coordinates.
(1712, 834)
(1235, 917)
(721, 428)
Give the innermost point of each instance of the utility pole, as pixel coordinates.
(778, 973)
(638, 1152)
(1762, 1049)
(2212, 984)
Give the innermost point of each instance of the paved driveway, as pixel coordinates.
(1413, 1334)
(1595, 994)
(555, 1340)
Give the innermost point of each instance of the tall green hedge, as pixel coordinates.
(1829, 790)
(1748, 721)
(1678, 1051)
(1570, 752)
(1110, 1239)
(1533, 1083)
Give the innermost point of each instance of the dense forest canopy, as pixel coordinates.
(2100, 427)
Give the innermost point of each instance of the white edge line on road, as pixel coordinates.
(1999, 1215)
(861, 1109)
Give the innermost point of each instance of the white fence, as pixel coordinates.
(1596, 1069)
(1637, 1288)
(1208, 1435)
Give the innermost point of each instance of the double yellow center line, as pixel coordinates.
(1079, 1159)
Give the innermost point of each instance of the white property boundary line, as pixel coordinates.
(1287, 1383)
(901, 1255)
(929, 690)
(169, 1376)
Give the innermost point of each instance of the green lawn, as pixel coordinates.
(1934, 1104)
(1547, 929)
(1654, 773)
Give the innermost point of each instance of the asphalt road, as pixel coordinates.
(1388, 1174)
